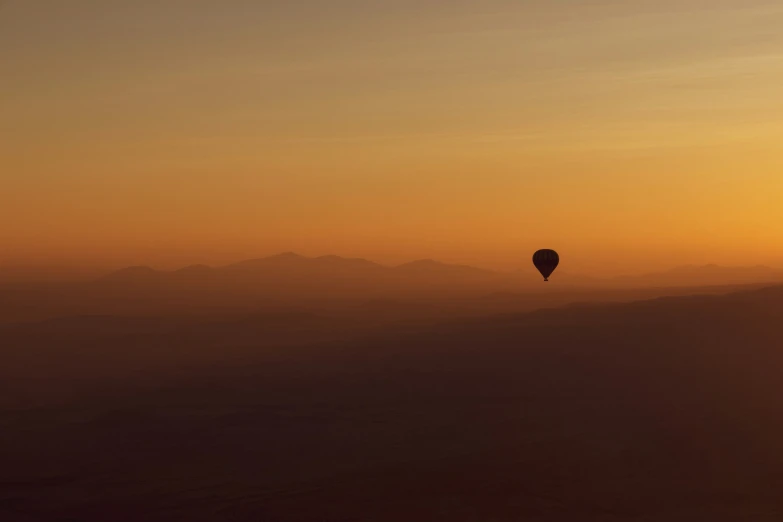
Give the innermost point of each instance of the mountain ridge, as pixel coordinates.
(432, 264)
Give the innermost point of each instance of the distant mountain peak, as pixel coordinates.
(195, 269)
(277, 259)
(290, 262)
(140, 269)
(287, 255)
(353, 261)
(431, 263)
(430, 266)
(334, 258)
(422, 263)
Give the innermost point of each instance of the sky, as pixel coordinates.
(629, 135)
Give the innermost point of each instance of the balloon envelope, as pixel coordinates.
(546, 261)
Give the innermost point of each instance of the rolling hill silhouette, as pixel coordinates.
(707, 275)
(659, 410)
(690, 276)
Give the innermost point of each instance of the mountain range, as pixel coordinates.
(295, 267)
(289, 279)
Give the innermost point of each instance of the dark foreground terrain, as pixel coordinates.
(662, 410)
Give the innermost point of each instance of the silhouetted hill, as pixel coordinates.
(659, 410)
(684, 276)
(706, 275)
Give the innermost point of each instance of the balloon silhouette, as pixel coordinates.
(546, 261)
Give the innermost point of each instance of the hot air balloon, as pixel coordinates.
(546, 261)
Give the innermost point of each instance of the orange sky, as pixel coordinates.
(628, 135)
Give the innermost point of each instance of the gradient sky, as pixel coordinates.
(629, 135)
